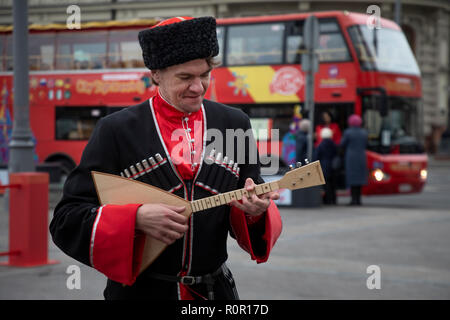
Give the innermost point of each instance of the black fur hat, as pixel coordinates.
(178, 40)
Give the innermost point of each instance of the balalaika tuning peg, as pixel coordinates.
(306, 161)
(298, 164)
(291, 167)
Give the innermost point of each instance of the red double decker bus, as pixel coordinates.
(81, 75)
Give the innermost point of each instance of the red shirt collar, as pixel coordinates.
(170, 112)
(170, 119)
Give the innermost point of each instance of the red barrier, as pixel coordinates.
(28, 220)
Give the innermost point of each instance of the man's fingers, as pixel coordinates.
(275, 196)
(252, 203)
(250, 188)
(170, 232)
(170, 236)
(261, 204)
(249, 184)
(238, 205)
(253, 206)
(271, 195)
(162, 222)
(174, 208)
(178, 226)
(167, 240)
(176, 216)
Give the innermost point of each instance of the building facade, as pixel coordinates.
(426, 24)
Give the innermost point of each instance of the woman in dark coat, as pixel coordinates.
(326, 152)
(354, 142)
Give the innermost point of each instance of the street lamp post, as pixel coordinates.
(310, 197)
(310, 65)
(21, 143)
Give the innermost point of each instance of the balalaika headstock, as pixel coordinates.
(306, 176)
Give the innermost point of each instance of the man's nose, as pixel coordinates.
(196, 85)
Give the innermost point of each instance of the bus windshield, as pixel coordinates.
(398, 129)
(383, 49)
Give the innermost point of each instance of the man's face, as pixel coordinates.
(184, 85)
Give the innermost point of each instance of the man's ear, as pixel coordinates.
(155, 75)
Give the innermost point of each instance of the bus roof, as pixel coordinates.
(345, 17)
(88, 25)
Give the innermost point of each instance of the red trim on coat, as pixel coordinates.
(240, 226)
(116, 250)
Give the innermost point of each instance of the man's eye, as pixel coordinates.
(184, 77)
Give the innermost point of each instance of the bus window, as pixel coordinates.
(383, 50)
(9, 53)
(42, 51)
(76, 123)
(2, 46)
(255, 44)
(404, 119)
(220, 40)
(294, 39)
(281, 114)
(400, 128)
(372, 120)
(378, 127)
(81, 50)
(124, 50)
(332, 47)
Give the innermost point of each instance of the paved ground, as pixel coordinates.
(323, 253)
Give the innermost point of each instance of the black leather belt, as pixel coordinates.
(208, 279)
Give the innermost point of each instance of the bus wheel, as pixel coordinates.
(65, 164)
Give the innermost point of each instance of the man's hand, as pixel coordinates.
(254, 205)
(162, 222)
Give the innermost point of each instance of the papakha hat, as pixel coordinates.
(178, 40)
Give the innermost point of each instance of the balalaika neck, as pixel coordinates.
(225, 198)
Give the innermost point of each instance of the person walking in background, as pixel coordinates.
(289, 139)
(327, 122)
(301, 144)
(288, 148)
(326, 152)
(354, 143)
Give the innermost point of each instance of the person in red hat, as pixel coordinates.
(354, 144)
(164, 142)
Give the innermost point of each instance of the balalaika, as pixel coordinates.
(112, 189)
